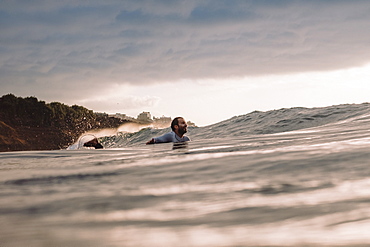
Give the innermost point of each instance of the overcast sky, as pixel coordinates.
(204, 60)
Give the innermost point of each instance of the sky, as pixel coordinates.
(204, 60)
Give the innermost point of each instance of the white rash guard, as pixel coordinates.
(170, 137)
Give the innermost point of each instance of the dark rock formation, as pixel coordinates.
(30, 124)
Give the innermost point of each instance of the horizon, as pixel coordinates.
(204, 60)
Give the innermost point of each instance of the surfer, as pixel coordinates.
(93, 143)
(179, 128)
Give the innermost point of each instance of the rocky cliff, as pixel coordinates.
(30, 124)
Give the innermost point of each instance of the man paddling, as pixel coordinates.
(179, 128)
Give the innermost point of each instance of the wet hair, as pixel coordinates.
(174, 122)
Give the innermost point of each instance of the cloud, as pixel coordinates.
(77, 47)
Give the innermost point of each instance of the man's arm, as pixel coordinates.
(162, 139)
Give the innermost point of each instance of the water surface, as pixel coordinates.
(238, 183)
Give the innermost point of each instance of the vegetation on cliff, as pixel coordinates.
(30, 124)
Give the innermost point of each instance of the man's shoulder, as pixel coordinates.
(169, 134)
(168, 137)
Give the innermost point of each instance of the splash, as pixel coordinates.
(123, 129)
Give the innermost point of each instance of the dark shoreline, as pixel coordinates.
(29, 124)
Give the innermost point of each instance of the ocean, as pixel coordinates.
(287, 177)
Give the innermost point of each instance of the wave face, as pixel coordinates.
(254, 123)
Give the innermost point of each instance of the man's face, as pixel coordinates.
(183, 127)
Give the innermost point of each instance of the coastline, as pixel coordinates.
(28, 124)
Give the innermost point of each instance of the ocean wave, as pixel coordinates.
(57, 179)
(254, 123)
(283, 120)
